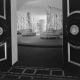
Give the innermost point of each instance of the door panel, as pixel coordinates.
(7, 32)
(71, 39)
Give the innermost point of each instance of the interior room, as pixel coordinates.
(39, 40)
(39, 32)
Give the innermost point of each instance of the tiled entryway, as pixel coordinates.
(24, 73)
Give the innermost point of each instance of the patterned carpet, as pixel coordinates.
(34, 73)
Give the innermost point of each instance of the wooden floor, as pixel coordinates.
(40, 57)
(36, 52)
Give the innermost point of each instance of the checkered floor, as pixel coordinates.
(24, 73)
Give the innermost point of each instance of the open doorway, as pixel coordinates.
(39, 33)
(40, 36)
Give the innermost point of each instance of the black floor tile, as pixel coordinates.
(32, 73)
(25, 77)
(71, 77)
(57, 73)
(10, 77)
(40, 78)
(54, 78)
(1, 75)
(23, 67)
(42, 72)
(29, 71)
(16, 70)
